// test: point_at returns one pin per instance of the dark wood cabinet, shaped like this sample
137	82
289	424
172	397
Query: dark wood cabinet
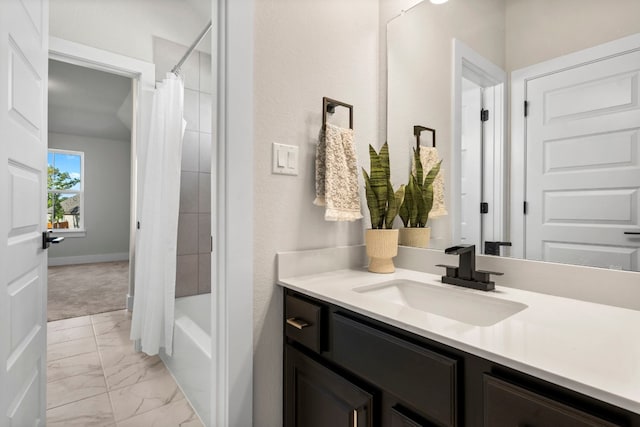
318	397
346	369
508	405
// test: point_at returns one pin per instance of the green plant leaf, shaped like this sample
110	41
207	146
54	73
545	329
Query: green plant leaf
372	202
404	207
419	169
433	173
378	182
384	161
394	204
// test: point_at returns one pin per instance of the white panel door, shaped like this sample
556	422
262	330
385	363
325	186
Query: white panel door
23	174
471	164
583	170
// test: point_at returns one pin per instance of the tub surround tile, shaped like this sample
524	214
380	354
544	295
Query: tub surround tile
69	334
206	81
72	366
204	273
143	397
74	322
189	192
205	152
204	198
191	109
187	234
175	414
71	348
205	112
191	151
204	233
91	412
187	276
72	389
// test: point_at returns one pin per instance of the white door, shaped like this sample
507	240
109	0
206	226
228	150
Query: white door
471	164
583	168
23	173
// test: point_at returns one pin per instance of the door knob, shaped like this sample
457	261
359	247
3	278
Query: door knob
47	240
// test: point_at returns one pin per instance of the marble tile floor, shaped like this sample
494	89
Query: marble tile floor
94	378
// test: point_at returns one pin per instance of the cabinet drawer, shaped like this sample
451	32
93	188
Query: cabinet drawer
421	378
507	405
302	322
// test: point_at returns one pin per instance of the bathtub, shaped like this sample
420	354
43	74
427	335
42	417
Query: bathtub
190	363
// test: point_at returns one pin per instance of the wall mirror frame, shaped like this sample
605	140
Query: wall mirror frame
564	182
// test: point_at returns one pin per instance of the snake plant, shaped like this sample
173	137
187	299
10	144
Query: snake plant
418	199
382	201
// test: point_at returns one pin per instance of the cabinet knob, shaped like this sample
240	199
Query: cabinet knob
297	323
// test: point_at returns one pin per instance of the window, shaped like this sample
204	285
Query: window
65	185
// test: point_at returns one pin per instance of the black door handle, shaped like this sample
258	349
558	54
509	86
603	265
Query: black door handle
632	232
47	240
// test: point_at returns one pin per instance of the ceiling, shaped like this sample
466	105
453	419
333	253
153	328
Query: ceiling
88	102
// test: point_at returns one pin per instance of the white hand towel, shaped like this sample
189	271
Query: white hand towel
429	157
337	175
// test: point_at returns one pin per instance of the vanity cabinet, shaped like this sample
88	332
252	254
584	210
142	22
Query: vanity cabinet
351	370
318	397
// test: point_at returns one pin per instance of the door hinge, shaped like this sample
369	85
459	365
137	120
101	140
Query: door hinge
525	208
484	115
526	108
484	208
211	243
138	225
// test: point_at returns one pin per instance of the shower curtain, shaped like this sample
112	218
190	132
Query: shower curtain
156	240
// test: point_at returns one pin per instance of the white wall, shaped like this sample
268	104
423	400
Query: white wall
304	50
106	191
125	27
538	30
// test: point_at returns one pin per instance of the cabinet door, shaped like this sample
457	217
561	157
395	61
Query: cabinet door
507	405
315	396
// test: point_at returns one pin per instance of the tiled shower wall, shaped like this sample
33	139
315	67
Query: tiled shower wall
193	275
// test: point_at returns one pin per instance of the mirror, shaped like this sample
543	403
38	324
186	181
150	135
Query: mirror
572	163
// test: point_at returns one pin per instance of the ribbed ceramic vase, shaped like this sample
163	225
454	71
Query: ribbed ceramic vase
416	237
382	246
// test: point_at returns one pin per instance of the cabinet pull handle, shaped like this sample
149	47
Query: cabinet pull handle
297	323
355	418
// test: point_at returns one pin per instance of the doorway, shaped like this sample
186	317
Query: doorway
479	153
89	185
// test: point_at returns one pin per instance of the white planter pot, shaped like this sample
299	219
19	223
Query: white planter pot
382	246
415	237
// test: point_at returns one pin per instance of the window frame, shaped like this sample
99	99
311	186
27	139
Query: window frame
81	230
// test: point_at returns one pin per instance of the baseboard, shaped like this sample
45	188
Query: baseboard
88	259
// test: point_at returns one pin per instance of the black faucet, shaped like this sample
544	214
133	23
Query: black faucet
466	274
493	248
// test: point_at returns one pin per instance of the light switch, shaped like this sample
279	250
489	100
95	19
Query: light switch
285	159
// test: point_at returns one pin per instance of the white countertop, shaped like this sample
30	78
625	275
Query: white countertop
591	348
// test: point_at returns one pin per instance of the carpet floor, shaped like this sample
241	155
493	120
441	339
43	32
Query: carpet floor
80	290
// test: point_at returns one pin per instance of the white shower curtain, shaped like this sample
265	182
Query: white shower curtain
156	240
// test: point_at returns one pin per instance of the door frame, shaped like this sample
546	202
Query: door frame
469	64
143	76
519	80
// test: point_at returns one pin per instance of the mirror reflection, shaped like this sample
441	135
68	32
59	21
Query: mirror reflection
561	184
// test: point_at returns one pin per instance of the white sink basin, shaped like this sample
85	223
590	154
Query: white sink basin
457	304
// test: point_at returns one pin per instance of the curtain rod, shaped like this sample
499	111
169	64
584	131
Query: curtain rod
176	69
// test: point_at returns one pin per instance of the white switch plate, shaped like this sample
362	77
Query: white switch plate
285	159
